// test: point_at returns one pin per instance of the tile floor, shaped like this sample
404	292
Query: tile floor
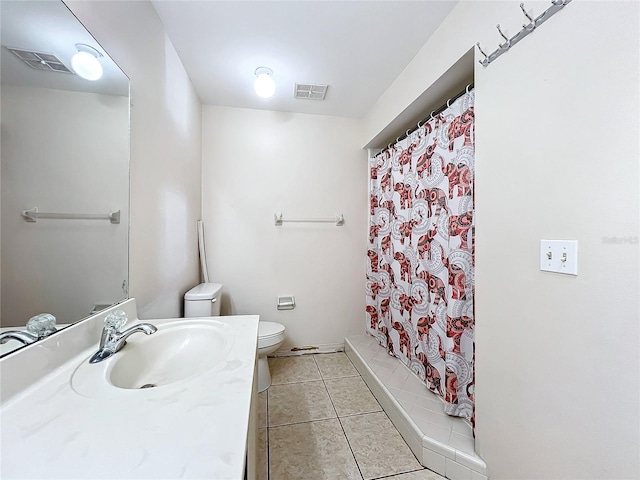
319	420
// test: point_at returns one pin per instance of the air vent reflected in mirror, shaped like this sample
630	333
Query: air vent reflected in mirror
40	61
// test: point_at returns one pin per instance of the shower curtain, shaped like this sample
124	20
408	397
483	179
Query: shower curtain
420	283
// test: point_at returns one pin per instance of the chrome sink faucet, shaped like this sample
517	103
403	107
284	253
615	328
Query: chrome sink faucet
23	337
112	339
38	327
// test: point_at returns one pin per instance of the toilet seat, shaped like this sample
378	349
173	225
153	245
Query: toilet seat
269	333
269	329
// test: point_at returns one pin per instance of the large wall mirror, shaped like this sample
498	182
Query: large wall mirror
64	150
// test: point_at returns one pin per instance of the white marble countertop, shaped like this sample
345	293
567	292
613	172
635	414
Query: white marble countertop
195	429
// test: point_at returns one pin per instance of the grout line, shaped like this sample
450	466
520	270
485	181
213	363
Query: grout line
360	413
343	376
268	443
306	421
403	473
342	427
353	454
296	382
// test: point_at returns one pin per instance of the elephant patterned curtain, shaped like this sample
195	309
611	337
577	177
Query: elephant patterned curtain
420	284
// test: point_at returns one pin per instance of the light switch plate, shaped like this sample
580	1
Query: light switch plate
559	256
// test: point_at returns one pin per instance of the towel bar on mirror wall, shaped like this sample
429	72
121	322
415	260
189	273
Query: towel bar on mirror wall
338	220
33	215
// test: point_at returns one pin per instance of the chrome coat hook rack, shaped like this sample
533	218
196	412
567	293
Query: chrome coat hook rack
556	6
338	220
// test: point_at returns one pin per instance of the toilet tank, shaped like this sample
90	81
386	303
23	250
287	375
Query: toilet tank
203	300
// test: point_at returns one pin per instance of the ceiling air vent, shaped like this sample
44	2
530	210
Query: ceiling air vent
40	61
310	92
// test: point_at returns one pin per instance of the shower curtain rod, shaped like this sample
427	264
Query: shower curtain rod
438	111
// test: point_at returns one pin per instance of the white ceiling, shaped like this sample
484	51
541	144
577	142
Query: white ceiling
357	47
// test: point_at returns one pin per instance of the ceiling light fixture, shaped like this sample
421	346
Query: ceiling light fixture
264	84
85	63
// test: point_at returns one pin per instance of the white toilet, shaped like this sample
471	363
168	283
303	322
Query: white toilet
270	337
204	301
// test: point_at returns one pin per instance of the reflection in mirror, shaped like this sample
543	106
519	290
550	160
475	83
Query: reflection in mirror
65	149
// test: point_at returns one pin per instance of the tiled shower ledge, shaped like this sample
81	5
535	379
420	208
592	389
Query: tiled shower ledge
441	442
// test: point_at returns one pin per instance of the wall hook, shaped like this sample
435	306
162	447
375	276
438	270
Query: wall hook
482	62
525	12
507	43
532	23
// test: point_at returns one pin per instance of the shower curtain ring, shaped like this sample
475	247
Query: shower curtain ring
467	89
431	117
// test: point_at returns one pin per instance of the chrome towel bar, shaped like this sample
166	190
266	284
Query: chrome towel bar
33	215
338	220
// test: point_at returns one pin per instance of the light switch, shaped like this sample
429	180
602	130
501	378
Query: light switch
559	256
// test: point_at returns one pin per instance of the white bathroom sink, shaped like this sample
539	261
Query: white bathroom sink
178	351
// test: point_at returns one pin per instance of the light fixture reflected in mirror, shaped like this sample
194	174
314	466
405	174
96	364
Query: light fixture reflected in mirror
85	63
264	84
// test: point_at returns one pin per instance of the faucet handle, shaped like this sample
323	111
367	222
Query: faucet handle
42	325
116	319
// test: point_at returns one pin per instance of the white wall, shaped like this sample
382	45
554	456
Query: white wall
561	352
165	152
256	163
63	152
557	127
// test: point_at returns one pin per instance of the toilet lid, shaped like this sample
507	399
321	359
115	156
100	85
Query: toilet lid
204	291
269	329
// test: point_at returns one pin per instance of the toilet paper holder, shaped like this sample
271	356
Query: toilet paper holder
286	302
